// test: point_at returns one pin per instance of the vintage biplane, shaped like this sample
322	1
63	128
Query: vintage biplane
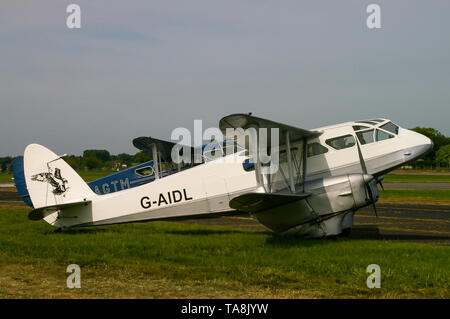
323	177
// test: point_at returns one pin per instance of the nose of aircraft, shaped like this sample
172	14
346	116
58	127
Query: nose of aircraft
419	145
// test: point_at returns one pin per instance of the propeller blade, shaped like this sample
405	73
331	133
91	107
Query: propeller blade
361	158
372	200
381	184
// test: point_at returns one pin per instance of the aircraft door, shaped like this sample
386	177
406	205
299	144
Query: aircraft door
216	193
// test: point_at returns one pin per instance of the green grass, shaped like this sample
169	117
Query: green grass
394	178
90	176
416	194
162	259
6	178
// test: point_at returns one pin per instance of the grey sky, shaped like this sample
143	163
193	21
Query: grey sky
146	67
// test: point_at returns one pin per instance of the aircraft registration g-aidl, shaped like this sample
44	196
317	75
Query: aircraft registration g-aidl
324	176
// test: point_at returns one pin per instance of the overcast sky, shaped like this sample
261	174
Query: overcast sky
143	68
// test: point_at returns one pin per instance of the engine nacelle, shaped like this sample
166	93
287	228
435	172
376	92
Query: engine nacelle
341	193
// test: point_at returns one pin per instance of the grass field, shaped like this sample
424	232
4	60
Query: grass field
93	175
6	177
165	260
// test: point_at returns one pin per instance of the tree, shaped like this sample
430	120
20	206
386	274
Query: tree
92	162
5	162
74	161
141	157
102	155
443	156
126	158
438	140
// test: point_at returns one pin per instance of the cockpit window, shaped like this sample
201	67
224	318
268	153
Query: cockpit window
316	149
390	127
382	135
359	127
144	171
365	137
341	142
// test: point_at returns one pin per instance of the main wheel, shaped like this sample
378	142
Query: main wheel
346	232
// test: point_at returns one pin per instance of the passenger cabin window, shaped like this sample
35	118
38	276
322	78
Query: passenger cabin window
341	142
390	127
283	154
316	149
144	171
365	137
248	165
382	135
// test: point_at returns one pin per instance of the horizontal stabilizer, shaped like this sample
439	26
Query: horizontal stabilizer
42	212
255	202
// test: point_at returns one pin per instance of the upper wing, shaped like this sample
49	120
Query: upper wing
246	120
145	144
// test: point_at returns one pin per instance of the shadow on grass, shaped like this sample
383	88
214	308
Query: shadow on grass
292	240
77	231
203	232
372	232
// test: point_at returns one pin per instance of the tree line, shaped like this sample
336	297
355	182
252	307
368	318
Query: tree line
439	156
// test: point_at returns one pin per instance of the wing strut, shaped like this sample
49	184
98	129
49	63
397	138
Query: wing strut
291	169
155	161
305	149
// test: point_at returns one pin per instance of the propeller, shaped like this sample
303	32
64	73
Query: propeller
364	170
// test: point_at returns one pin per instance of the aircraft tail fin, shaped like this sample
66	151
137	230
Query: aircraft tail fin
50	180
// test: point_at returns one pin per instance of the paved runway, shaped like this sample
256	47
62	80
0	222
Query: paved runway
419	223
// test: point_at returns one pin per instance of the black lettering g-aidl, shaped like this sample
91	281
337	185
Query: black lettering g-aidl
185	196
146	204
177	196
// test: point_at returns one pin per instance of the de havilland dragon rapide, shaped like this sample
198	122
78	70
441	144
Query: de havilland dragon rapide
323	177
